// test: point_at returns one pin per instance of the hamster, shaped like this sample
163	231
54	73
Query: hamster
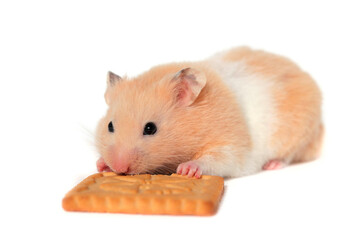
236	113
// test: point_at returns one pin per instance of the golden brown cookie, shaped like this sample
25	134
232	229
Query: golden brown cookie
146	194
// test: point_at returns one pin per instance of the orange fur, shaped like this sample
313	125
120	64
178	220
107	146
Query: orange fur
215	123
298	103
185	133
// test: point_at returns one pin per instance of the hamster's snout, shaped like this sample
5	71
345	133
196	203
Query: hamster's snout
121	160
121	166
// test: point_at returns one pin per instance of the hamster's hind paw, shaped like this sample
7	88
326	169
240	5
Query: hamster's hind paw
273	165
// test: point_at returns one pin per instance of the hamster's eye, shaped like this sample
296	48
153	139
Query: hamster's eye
111	127
149	129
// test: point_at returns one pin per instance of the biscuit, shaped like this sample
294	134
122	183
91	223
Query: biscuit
146	194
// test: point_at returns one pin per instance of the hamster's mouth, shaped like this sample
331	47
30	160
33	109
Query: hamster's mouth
158	171
123	174
166	169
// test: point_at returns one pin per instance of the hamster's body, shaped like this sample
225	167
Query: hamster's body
231	115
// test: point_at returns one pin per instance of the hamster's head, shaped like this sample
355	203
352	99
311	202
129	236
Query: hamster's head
144	128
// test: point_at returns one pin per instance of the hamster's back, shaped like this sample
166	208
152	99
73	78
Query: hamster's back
281	104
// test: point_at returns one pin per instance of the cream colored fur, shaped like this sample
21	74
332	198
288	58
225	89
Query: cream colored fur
253	107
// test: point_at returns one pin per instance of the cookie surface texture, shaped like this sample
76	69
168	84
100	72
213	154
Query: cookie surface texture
146	194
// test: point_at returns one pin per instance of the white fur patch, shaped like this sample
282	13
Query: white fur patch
253	93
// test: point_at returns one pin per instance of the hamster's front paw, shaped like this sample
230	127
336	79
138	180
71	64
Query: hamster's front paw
101	166
190	168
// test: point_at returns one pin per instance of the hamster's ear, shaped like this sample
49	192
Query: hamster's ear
112	80
189	83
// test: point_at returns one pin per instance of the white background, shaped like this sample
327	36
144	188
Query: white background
53	62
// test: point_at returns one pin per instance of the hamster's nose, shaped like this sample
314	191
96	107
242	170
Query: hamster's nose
121	166
121	161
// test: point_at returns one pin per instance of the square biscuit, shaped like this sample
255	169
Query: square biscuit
146	194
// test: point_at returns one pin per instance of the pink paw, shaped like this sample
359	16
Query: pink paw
101	166
273	165
191	169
